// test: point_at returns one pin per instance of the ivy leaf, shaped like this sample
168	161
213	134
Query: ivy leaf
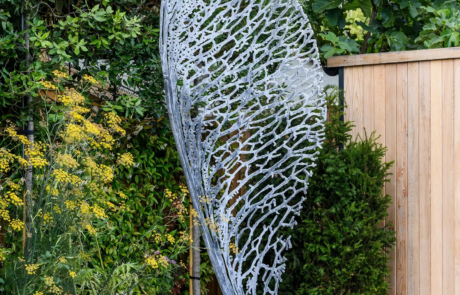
332	16
322	5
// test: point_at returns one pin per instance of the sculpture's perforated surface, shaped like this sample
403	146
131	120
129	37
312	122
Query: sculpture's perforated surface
242	86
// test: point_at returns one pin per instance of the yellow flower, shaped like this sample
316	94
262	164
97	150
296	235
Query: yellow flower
79	109
62	176
122	195
47	218
72	274
157	237
62	260
14	135
60	74
36	155
77	98
169	195
57	209
6	159
205	200
111	206
99	212
162	261
13	199
170	239
5	214
17	224
91	229
66	160
32	268
126	160
49	281
212	225
113	121
234	248
74	133
70	204
22	162
89	79
184	189
48	85
38	293
150	261
85	208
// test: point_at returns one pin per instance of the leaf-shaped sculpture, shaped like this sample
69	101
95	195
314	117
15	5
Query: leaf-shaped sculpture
242	82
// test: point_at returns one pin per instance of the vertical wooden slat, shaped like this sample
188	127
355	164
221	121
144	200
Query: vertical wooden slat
424	124
358	107
413	283
436	177
401	178
379	109
390	138
448	232
348	90
379	102
457	172
368	99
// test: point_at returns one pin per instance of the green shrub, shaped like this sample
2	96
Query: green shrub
344	249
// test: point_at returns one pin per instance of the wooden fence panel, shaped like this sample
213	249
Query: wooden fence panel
415	106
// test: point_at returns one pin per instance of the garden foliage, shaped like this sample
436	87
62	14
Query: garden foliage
340	245
381	26
116	42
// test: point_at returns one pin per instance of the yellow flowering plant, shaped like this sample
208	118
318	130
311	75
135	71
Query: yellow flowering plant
56	233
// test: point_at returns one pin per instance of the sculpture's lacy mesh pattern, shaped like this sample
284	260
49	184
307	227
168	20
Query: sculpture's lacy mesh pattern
242	85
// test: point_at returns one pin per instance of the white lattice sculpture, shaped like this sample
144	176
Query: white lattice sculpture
242	82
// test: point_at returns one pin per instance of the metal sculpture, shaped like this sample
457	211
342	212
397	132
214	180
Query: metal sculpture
242	82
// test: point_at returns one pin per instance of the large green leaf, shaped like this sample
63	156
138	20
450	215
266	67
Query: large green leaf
366	7
332	16
352	5
387	18
322	5
412	5
370	28
397	41
452	38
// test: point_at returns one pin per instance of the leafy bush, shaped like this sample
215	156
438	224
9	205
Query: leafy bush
393	25
64	222
344	247
117	42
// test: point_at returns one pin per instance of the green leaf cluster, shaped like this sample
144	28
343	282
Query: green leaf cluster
382	26
340	245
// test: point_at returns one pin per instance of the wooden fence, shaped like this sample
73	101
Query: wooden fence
412	99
